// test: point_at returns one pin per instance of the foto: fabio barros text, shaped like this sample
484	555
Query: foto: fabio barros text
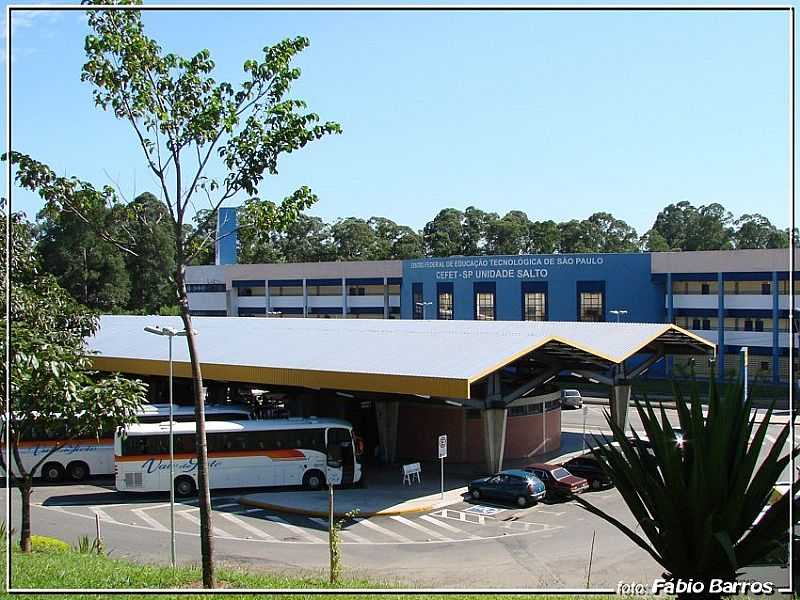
690	586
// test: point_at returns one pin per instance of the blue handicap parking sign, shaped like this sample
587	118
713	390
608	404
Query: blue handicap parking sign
484	510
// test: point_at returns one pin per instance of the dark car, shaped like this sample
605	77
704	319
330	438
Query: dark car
512	485
588	467
559	482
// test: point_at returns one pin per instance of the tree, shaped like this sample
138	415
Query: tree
88	267
653	241
203	227
407	244
576	236
756	231
354	239
696	493
510	234
543	237
52	386
152	260
308	239
180	114
685	227
612	234
443	235
395	241
475	231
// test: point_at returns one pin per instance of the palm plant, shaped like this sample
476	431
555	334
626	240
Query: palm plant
696	493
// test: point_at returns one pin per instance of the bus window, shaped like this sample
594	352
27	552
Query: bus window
185	444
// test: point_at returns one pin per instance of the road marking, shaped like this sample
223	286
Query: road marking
187	514
447	526
377	528
247	527
104	516
228	505
418	527
299	531
345	533
458	515
139	512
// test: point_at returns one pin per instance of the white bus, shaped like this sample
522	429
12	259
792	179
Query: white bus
309	452
80	458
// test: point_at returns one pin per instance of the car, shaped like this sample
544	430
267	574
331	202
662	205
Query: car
558	482
571	399
512	485
588	467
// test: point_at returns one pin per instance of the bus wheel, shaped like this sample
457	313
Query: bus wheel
313	480
184	486
78	471
52	472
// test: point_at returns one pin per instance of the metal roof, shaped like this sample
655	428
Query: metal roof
436	358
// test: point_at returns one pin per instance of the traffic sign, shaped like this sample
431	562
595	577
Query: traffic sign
443	446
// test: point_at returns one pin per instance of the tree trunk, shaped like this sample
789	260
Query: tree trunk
25	489
206	540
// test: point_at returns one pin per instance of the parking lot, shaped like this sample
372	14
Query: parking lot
465	544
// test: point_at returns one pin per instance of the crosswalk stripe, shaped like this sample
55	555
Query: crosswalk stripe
346	534
419	527
396	536
104	516
447	526
187	514
299	531
148	519
247	527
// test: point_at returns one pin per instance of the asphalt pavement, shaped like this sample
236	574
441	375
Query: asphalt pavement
453	544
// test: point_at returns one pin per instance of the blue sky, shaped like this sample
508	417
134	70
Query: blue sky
559	114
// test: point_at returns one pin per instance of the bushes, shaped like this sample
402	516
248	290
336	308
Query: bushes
42	543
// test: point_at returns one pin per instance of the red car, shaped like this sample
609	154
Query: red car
559	482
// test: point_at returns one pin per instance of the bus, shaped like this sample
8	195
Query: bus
311	452
79	459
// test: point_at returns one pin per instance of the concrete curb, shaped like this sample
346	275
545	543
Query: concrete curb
386	512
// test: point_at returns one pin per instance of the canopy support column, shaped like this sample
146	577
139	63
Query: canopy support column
387	413
494	437
620	398
495	418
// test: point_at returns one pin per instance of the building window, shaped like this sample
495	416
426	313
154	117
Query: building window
324	290
591	306
766	289
764	365
759	325
535	306
748	324
251	291
285	290
695	323
416	301
704	289
484	305
445	308
706	324
205	287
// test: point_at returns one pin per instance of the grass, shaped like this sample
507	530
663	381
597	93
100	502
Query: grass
75	570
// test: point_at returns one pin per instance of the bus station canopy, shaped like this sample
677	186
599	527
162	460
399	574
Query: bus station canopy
432	358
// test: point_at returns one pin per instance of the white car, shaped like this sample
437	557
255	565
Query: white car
571	399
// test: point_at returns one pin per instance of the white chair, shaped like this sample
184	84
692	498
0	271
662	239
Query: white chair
409	471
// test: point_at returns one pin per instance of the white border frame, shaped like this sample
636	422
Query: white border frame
397	7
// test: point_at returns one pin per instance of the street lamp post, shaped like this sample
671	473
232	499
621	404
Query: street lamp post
170	333
423	305
618	312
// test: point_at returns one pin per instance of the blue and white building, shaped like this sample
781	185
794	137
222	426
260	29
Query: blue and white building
734	299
